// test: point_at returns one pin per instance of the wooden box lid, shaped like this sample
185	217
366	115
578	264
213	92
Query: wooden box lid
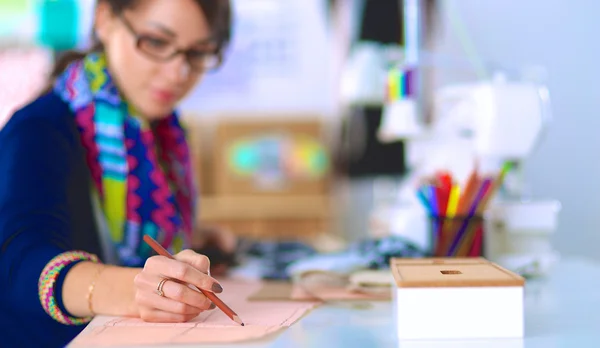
451	272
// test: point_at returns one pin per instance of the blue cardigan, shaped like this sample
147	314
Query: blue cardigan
45	209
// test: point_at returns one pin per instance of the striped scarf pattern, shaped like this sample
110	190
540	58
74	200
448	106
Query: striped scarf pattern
142	173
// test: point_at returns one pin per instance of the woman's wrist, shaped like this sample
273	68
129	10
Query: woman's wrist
90	294
113	290
76	288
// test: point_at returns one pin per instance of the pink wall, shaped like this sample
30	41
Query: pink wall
23	72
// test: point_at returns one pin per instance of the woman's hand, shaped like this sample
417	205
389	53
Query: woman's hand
179	302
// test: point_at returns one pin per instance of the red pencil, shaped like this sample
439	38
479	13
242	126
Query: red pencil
211	296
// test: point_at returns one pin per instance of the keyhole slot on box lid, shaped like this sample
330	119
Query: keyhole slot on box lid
449	272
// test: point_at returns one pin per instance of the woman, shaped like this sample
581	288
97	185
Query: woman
104	149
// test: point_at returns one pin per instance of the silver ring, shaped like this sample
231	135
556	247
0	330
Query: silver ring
159	288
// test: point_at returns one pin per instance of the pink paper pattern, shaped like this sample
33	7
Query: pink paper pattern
260	318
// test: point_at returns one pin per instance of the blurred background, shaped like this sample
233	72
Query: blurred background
328	115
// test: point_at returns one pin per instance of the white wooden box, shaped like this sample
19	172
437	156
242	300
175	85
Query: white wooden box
455	298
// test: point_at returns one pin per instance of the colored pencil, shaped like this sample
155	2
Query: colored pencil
494	187
456	212
209	294
480	194
453	201
423	198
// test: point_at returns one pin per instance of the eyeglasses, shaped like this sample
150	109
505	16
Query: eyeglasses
163	50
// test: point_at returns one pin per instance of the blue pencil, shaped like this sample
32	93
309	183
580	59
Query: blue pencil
433	200
424	201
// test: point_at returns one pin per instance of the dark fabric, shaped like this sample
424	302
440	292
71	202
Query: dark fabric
45	209
276	258
381	22
364	155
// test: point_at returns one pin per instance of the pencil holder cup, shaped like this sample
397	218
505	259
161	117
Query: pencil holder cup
460	236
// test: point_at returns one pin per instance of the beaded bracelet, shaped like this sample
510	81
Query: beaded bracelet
48	280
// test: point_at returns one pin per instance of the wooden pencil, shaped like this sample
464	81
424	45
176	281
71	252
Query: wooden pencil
476	220
493	189
460	234
464	202
209	294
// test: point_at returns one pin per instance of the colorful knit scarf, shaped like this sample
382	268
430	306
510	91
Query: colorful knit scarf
141	173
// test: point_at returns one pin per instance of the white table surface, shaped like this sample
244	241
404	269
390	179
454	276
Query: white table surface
560	311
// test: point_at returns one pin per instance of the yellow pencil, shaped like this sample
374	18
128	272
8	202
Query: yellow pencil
453	201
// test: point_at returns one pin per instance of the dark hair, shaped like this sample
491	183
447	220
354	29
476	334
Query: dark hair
217	13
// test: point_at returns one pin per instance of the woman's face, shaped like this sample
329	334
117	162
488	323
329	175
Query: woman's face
149	81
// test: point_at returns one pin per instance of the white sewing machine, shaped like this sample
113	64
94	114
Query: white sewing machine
494	121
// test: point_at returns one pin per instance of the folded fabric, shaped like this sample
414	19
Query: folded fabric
283	260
